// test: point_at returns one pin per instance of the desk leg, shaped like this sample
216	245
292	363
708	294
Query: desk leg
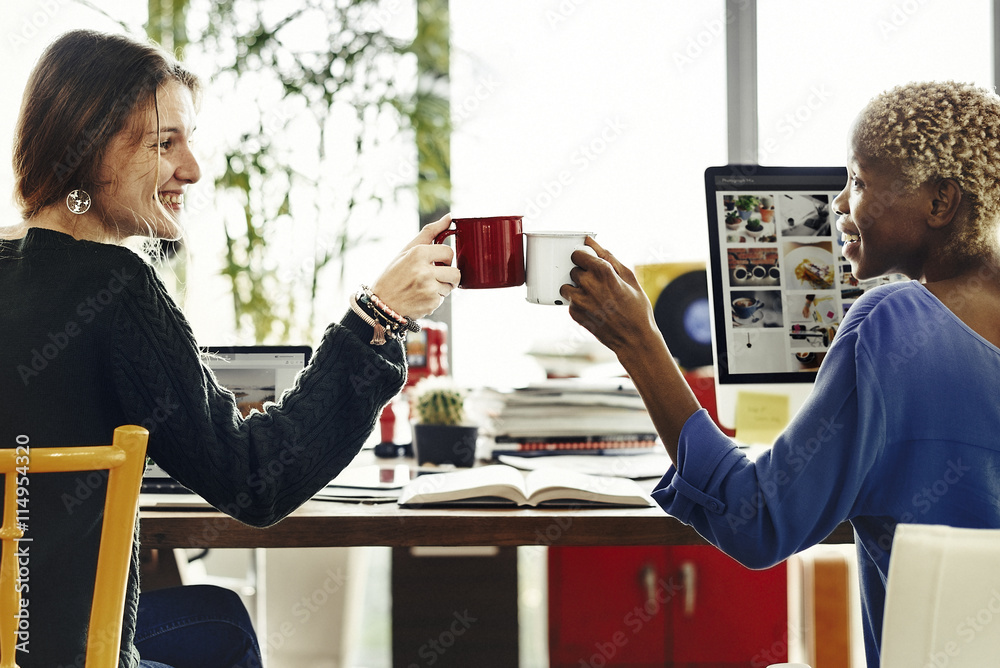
454	607
159	569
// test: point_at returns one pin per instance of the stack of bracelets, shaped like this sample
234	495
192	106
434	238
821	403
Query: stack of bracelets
385	321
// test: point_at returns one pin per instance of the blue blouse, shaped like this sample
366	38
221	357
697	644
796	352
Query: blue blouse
902	426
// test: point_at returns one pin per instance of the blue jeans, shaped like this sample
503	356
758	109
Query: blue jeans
198	626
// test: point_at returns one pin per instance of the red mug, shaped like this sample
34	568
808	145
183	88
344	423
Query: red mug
489	251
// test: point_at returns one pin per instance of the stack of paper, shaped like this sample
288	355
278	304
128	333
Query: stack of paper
571	416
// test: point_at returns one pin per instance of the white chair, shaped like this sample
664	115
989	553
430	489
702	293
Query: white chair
942	603
943	600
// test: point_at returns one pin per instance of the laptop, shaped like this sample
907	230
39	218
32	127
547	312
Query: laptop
257	375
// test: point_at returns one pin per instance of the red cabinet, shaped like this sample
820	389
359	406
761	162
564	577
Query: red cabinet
663	606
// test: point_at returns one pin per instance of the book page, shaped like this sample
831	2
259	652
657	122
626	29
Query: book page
495	480
547	484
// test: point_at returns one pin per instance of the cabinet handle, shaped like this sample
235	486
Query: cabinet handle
689	578
649	582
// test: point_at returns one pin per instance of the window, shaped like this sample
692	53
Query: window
819	64
598	116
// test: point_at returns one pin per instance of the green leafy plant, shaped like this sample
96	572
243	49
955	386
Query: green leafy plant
342	86
754	225
438	402
747	202
335	72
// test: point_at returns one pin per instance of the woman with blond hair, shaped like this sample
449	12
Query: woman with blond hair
901	425
102	153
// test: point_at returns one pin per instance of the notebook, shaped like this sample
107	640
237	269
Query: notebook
257	375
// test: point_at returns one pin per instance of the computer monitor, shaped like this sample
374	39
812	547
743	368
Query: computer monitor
778	282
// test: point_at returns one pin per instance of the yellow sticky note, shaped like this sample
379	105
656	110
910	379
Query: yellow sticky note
760	417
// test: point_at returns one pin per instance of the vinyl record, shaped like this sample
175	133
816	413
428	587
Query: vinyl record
682	315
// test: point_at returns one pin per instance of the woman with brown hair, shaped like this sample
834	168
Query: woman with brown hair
93	341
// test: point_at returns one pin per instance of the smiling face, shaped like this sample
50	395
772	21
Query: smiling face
882	220
146	182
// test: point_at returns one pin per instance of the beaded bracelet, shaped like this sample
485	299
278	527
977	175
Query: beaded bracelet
380	307
378	338
370	314
394	329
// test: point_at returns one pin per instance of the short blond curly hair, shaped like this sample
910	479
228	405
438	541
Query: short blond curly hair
936	130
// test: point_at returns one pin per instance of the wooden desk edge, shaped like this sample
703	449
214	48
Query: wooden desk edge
388	525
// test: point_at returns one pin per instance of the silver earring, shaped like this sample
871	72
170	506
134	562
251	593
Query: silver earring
78	201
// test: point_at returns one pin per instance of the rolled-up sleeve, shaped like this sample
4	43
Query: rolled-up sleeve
795	494
680	492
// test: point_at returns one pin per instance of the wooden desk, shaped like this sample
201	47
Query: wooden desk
422	608
334	524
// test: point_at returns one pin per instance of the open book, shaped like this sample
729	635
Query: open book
499	484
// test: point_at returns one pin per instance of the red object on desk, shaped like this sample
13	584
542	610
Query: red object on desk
426	355
427	352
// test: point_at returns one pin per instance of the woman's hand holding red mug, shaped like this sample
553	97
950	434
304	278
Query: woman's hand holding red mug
421	276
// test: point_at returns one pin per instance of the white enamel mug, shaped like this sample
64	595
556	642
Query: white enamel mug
548	263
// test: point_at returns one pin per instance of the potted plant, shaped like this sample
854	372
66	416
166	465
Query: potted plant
754	227
746	204
440	434
733	219
766	213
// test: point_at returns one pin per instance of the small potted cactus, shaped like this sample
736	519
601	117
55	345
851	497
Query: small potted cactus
440	434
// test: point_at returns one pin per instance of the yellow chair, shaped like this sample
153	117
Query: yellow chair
125	460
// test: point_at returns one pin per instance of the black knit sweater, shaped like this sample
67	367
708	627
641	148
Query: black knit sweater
90	341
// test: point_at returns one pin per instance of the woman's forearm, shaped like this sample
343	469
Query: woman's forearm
667	396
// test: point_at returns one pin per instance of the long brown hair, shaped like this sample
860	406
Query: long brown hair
85	89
